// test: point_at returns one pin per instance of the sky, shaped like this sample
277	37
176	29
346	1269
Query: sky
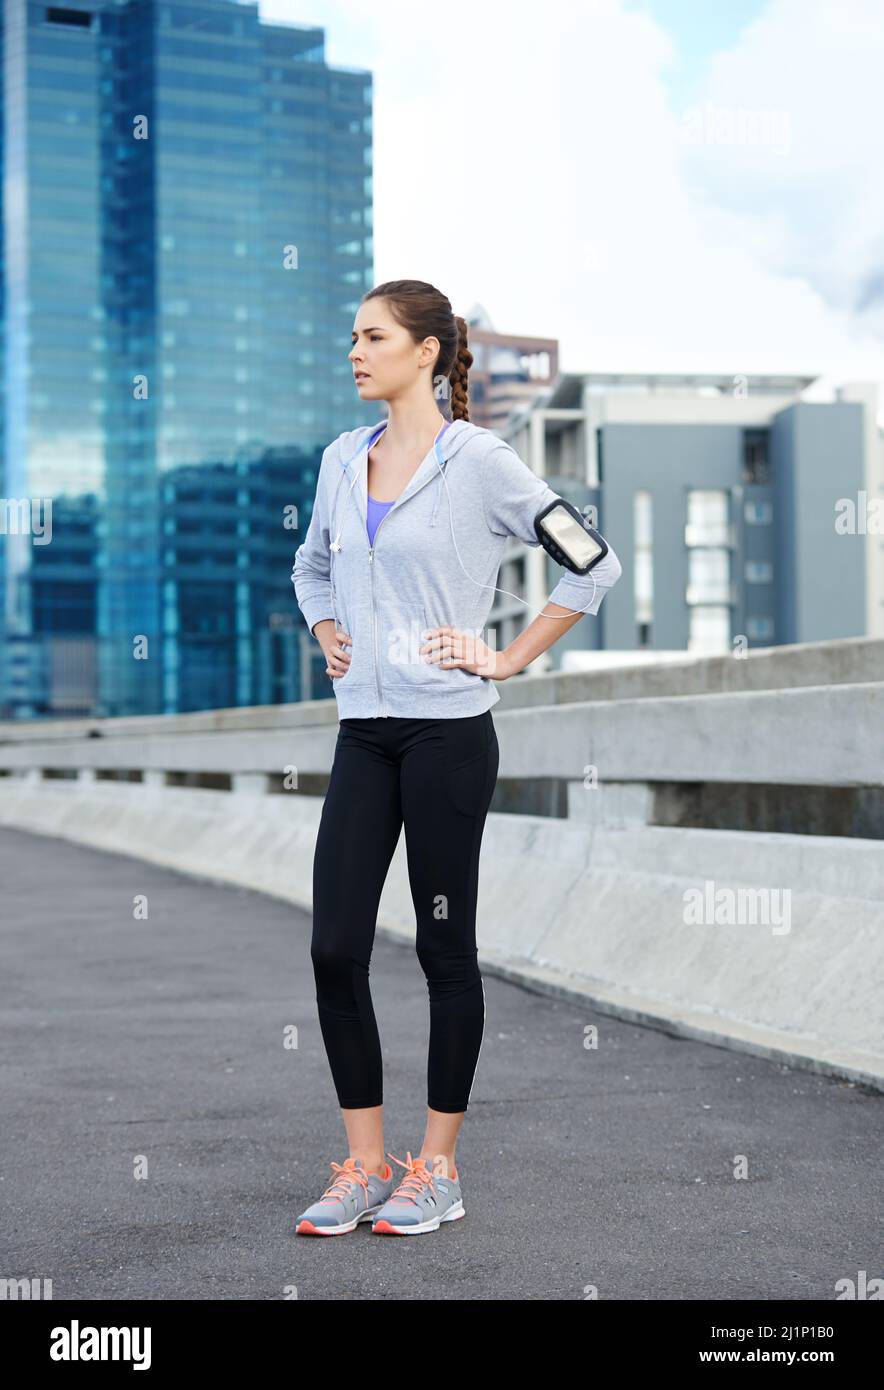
662	185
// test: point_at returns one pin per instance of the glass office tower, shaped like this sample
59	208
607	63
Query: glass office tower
186	236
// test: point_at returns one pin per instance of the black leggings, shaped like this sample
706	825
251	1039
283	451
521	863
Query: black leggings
437	776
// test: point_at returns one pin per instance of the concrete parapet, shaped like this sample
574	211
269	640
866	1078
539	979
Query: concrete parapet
769	943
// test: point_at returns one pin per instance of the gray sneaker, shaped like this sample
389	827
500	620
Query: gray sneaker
421	1202
353	1196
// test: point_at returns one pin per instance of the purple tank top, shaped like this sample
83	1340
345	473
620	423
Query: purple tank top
376	510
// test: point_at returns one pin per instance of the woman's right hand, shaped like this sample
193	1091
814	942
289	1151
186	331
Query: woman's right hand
332	639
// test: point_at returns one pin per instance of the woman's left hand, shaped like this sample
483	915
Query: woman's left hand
450	648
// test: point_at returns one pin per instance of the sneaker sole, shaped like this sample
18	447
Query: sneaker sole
307	1228
388	1228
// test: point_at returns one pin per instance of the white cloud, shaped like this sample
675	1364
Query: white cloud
819	211
531	159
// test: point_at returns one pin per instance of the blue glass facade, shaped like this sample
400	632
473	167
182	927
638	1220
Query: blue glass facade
186	237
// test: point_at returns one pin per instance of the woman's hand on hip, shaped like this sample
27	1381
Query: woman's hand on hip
451	648
336	655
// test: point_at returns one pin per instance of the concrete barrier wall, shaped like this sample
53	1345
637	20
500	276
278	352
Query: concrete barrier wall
589	912
824	735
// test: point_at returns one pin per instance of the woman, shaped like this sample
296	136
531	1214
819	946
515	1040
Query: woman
400	558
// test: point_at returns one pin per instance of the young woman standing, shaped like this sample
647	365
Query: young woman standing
395	579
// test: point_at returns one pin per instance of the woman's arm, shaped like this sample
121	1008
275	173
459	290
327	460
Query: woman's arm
310	572
536	638
512	496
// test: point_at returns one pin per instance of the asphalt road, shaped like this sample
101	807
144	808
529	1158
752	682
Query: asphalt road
127	1039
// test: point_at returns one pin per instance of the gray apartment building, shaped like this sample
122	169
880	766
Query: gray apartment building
726	501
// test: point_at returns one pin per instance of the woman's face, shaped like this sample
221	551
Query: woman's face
386	353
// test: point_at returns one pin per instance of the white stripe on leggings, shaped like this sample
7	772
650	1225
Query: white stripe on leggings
481	1040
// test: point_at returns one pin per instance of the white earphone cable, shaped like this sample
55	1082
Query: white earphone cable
494	586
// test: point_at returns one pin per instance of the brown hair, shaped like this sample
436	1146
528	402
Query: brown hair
426	313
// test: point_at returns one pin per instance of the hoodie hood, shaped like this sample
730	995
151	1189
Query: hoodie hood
350	451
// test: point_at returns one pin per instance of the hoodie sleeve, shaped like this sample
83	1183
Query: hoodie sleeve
512	495
311	570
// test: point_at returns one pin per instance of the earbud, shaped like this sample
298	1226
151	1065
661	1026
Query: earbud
336	543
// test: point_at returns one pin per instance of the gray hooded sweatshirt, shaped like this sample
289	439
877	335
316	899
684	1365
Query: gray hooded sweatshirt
434	561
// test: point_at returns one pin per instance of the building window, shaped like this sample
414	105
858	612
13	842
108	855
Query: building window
756	465
709	538
707	522
760	629
758	513
708	576
710	630
759	572
57	14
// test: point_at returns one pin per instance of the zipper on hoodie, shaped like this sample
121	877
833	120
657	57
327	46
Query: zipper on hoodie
371	549
374	611
374	620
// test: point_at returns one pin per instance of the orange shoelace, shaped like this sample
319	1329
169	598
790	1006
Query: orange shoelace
347	1175
417	1179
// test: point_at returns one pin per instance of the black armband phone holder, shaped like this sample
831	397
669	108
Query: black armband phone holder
567	536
